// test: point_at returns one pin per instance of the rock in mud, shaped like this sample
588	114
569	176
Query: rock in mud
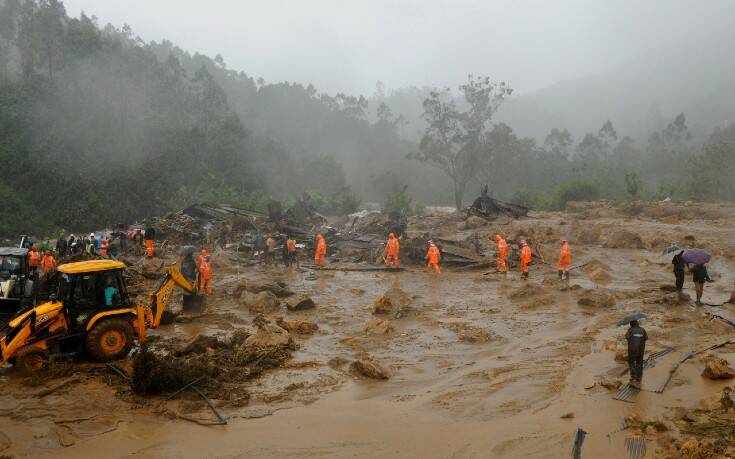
600	275
378	326
470	334
371	368
357	291
610	384
624	239
300	303
268	335
392	299
297	326
596	299
152	268
717	368
526	290
262	303
276	288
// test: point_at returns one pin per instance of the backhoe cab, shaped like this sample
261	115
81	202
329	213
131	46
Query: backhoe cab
92	312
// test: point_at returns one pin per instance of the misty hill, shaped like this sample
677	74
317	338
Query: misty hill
638	97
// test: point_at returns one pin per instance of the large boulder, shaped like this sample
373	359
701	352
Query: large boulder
262	303
596	298
624	239
716	368
394	298
152	267
300	303
371	368
268	335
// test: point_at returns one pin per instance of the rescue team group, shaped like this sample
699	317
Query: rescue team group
433	255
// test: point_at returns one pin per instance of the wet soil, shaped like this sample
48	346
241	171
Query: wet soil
480	365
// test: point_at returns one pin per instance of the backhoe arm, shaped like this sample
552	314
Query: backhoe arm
160	298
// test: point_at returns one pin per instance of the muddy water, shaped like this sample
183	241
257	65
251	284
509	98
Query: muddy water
500	396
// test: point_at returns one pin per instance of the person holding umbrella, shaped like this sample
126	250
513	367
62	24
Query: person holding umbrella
699	258
679	266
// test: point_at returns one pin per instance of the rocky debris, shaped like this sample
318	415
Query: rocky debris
371	368
596	298
297	326
268	335
716	367
470	333
300	303
228	361
395	298
357	291
624	239
378	326
263	303
152	268
569	415
202	344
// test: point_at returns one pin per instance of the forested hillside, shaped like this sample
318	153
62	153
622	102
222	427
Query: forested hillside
98	126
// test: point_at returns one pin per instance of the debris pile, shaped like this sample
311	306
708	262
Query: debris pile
487	207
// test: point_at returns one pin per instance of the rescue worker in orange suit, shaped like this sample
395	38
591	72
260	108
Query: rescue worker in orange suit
105	246
525	258
150	237
48	263
34	259
565	259
433	256
202	257
392	248
502	253
205	276
321	251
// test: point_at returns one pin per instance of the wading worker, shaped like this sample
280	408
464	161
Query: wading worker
636	337
700	276
525	258
502	253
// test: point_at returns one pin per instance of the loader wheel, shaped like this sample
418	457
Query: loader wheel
31	360
110	339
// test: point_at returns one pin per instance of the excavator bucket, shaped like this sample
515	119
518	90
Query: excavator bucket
194	303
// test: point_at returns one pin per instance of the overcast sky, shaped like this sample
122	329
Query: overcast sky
348	45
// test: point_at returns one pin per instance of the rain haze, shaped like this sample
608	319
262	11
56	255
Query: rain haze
342	228
348	46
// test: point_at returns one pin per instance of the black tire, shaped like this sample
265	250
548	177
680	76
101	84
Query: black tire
31	360
110	339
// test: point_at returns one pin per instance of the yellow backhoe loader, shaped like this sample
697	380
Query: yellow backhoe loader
91	312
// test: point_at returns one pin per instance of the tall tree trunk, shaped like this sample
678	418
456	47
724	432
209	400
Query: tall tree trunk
458	193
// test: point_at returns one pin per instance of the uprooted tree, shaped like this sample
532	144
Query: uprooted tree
453	140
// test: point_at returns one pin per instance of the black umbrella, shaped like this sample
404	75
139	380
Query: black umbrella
628	319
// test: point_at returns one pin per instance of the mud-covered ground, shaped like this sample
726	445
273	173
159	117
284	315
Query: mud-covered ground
478	365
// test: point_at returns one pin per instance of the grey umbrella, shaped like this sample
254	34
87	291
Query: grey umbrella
628	319
674	248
